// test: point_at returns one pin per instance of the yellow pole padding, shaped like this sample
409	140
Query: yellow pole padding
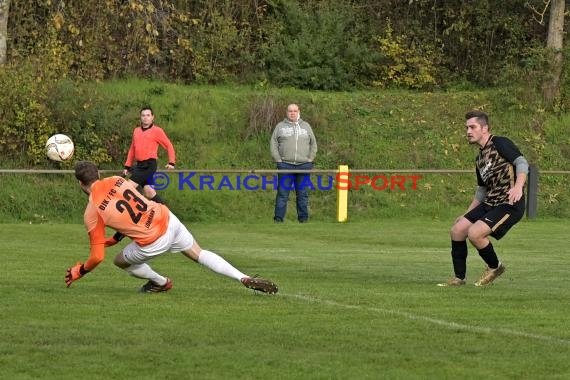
342	195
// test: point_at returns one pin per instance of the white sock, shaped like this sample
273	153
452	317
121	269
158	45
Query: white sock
219	265
144	271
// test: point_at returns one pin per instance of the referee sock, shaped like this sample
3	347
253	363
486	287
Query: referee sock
459	258
217	264
144	271
489	256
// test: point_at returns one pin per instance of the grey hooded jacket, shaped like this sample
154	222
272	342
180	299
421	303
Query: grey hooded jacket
293	142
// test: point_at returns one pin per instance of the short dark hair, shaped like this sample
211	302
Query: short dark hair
481	116
86	172
144	108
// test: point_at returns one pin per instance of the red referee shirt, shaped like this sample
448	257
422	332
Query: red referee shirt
145	145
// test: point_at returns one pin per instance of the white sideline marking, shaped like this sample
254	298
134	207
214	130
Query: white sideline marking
440	322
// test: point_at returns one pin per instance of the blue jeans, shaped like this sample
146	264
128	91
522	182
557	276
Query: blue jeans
288	182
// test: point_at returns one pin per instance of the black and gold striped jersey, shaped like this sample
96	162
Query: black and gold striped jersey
495	169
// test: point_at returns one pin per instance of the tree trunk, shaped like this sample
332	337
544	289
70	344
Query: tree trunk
554	44
4	10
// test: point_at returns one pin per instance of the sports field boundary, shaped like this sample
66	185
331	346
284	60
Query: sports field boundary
434	321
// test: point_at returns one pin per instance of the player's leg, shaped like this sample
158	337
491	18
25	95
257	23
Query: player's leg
284	186
142	175
184	242
212	261
478	234
219	265
459	251
133	259
302	187
148	192
480	231
459	232
479	237
496	222
151	194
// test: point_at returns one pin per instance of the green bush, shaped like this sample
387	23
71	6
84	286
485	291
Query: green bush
219	47
314	46
24	114
322	44
403	66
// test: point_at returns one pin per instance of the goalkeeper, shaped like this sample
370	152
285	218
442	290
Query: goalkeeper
153	228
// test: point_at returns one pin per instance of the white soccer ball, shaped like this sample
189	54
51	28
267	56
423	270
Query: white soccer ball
59	148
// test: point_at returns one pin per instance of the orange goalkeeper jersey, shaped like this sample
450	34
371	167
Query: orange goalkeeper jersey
116	203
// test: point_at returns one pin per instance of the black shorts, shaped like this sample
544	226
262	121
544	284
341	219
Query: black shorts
142	171
499	218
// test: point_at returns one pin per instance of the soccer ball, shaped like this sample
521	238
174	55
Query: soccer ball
59	148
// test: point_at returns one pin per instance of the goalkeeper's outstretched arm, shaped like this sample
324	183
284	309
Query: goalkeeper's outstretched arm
96	255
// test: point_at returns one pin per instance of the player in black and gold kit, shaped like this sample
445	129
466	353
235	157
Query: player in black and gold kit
498	203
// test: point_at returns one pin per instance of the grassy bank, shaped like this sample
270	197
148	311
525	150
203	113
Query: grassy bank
229	128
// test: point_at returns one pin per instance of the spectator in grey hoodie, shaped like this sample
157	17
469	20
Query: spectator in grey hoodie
293	147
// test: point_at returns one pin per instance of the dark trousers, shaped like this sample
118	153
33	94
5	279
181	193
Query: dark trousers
292	181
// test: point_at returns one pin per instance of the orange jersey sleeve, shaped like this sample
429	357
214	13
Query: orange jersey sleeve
96	230
121	207
164	141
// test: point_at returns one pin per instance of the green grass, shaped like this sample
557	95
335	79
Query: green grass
356	301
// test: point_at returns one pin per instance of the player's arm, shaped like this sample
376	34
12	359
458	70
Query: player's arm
97	250
516	192
521	170
480	192
313	145
116	238
511	152
96	231
165	142
478	198
274	145
130	157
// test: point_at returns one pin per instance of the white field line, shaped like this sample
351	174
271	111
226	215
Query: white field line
439	322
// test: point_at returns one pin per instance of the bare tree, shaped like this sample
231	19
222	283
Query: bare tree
4	10
554	44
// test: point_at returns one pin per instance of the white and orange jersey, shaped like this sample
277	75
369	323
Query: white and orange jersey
115	202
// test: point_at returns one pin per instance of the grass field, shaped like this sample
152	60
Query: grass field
356	301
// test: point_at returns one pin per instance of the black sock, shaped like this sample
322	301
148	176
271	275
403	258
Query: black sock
489	256
158	199
459	258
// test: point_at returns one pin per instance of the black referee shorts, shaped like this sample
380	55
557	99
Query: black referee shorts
143	170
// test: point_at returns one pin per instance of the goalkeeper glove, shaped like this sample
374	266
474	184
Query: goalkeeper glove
75	273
